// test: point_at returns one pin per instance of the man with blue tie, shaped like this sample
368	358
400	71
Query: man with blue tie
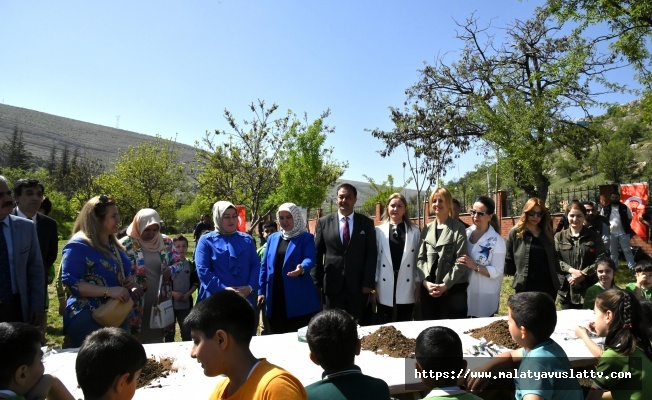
21	267
345	268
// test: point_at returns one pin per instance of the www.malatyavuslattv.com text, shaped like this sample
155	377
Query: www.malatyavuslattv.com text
515	373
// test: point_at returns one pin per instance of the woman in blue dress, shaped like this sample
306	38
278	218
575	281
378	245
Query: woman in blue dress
226	259
94	268
286	288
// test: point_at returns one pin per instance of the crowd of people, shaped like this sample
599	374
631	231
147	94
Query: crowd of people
349	272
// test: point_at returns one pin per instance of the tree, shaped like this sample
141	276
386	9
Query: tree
630	24
243	168
146	176
15	154
306	170
512	96
615	160
381	192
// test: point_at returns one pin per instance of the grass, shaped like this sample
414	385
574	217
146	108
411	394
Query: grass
623	277
54	333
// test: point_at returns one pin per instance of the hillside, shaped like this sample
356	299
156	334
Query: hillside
43	131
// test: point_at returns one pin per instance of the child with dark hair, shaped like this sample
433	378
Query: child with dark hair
620	320
532	319
221	327
333	341
439	351
108	364
21	367
605	270
184	285
642	288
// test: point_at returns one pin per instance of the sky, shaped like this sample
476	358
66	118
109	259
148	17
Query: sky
171	68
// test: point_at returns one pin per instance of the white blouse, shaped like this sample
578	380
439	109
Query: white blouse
483	293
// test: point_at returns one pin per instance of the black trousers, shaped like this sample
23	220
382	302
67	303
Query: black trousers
11	312
450	305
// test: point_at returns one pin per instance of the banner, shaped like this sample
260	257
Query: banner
634	195
242	218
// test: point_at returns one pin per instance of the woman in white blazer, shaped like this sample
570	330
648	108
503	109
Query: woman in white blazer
398	241
485	261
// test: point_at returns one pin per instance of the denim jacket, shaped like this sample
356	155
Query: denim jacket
437	259
517	258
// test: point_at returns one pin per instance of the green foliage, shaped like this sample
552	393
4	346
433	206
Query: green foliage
243	167
629	22
567	166
380	194
513	95
14	154
188	214
615	160
307	171
146	176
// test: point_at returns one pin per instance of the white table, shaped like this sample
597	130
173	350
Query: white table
286	351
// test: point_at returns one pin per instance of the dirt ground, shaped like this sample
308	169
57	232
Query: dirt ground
388	340
155	369
497	332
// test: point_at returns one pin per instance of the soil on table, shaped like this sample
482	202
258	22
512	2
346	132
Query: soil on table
155	369
387	340
497	332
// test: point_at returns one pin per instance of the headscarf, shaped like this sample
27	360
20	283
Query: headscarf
219	208
142	220
299	224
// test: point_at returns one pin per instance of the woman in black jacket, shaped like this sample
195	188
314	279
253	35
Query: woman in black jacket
530	253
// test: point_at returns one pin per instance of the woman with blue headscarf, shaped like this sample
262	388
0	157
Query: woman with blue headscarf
226	259
286	287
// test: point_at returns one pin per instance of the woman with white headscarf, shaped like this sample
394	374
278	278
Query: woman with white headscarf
286	287
152	255
225	258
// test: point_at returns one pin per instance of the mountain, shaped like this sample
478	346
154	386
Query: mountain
43	131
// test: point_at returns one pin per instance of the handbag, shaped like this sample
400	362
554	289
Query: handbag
114	312
162	313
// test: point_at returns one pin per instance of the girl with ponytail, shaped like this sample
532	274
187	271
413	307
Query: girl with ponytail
627	357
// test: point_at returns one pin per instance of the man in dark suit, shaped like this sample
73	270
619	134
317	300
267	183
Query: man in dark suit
29	195
21	268
346	256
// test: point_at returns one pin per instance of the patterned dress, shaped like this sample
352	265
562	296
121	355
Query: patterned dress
169	258
81	262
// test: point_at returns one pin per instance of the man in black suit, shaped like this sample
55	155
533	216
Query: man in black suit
345	268
28	194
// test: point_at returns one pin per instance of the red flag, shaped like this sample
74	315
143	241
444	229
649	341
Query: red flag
242	218
634	195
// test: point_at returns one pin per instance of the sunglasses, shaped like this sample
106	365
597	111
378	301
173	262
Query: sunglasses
478	213
536	214
104	199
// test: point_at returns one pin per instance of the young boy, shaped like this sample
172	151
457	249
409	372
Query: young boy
109	364
532	319
21	368
605	269
183	286
221	327
439	351
333	341
642	289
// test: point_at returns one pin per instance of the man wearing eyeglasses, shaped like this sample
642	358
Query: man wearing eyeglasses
21	266
29	196
620	218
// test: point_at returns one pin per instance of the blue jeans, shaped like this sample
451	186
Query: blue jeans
82	325
625	246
